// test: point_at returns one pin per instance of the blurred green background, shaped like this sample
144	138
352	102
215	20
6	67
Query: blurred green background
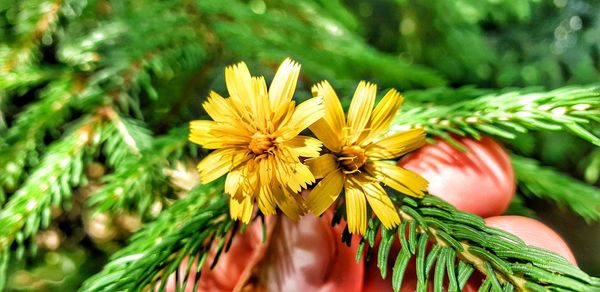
411	45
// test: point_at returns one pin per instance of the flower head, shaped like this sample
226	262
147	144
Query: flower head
356	159
255	132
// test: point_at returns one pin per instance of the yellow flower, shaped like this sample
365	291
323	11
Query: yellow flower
355	159
255	132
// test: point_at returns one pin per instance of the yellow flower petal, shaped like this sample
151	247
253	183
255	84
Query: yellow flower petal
356	209
380	203
241	210
282	87
215	135
200	134
233	181
325	193
219	162
220	109
239	85
305	115
240	123
260	105
329	129
266	201
305	146
335	113
361	108
265	170
251	179
259	85
289	202
396	145
322	165
323	132
382	116
400	179
299	177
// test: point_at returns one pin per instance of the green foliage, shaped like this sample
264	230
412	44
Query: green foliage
4	257
462	243
22	140
312	35
34	23
157	250
51	184
570	109
544	182
491	43
139	179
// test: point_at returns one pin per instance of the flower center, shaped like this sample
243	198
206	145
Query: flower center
260	143
352	158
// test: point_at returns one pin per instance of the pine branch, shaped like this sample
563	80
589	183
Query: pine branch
187	228
24	138
17	83
51	182
544	182
313	36
592	167
23	79
37	20
123	137
118	82
4	258
443	95
455	30
138	180
569	109
462	243
130	47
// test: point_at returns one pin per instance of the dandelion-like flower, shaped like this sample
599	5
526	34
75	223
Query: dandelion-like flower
356	159
256	136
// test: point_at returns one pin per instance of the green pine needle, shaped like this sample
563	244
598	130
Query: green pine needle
544	182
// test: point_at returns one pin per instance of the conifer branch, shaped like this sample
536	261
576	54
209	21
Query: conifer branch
139	180
44	22
123	137
23	139
311	45
59	172
461	240
4	258
569	108
442	95
544	182
186	229
592	169
23	79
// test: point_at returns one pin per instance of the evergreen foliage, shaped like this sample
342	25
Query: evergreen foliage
545	182
115	83
507	114
158	249
461	244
